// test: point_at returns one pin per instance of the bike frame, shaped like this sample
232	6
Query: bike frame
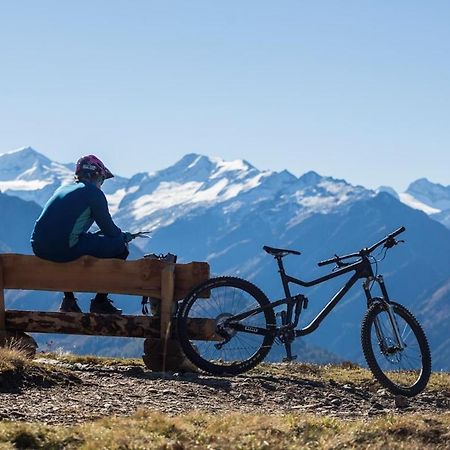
362	269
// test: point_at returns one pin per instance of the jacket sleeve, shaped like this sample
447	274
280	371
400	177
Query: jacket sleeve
101	215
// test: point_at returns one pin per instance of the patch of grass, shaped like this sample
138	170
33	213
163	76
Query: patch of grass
16	366
344	373
234	431
12	360
93	360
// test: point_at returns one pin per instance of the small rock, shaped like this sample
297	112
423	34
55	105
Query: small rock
373	412
312	405
268	386
168	392
376	405
400	401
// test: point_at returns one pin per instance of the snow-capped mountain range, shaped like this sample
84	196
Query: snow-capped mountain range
195	181
151	200
204	208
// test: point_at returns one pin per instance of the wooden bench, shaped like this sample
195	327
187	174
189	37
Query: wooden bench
144	277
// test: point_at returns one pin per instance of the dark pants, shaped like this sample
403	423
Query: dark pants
89	244
100	246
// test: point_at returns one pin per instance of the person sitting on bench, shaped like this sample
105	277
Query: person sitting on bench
61	232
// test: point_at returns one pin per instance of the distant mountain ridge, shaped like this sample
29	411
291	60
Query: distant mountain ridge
204	208
431	198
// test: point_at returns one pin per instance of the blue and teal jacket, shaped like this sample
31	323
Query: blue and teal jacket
68	214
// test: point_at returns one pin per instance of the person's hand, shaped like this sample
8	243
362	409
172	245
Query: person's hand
128	236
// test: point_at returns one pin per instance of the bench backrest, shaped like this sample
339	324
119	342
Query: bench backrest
88	274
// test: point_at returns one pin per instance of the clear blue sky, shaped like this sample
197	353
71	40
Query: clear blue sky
354	89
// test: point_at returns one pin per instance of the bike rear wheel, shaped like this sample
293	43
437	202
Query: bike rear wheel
226	351
403	371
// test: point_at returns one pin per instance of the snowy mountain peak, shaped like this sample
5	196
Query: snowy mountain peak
389	190
425	186
310	178
31	175
16	163
200	168
423	195
25	152
191	166
434	195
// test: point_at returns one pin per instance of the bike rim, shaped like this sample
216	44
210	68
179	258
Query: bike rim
401	366
222	303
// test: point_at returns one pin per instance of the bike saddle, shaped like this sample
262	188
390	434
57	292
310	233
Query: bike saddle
279	252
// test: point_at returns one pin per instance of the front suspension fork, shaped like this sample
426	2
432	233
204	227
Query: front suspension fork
389	309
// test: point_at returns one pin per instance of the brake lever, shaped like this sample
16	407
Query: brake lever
392	242
141	234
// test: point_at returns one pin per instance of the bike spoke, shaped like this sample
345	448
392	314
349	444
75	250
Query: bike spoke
223	302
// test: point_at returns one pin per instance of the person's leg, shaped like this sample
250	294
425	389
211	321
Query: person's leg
123	255
103	247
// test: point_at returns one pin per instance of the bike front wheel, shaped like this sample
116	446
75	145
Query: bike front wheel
403	369
223	350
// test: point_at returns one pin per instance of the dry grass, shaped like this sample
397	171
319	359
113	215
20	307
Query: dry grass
233	431
200	430
12	360
344	373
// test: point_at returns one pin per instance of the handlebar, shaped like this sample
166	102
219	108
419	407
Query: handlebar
337	258
389	241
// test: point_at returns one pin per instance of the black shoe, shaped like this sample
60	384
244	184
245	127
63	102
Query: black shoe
105	306
169	257
69	305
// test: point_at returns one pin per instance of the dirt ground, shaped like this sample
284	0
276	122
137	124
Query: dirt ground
84	392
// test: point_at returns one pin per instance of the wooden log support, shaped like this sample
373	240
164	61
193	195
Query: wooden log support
163	356
102	325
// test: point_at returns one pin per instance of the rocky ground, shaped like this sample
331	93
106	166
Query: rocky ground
79	392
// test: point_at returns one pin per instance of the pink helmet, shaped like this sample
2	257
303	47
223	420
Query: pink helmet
90	165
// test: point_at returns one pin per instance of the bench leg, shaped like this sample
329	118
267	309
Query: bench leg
165	354
16	340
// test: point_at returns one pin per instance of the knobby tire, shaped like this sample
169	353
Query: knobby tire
214	364
369	351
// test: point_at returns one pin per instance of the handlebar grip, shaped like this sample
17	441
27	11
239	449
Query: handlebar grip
397	232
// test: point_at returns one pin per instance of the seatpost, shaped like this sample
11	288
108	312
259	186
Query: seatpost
282	273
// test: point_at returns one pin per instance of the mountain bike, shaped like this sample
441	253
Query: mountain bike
242	322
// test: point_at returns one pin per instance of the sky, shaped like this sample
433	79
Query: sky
358	90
